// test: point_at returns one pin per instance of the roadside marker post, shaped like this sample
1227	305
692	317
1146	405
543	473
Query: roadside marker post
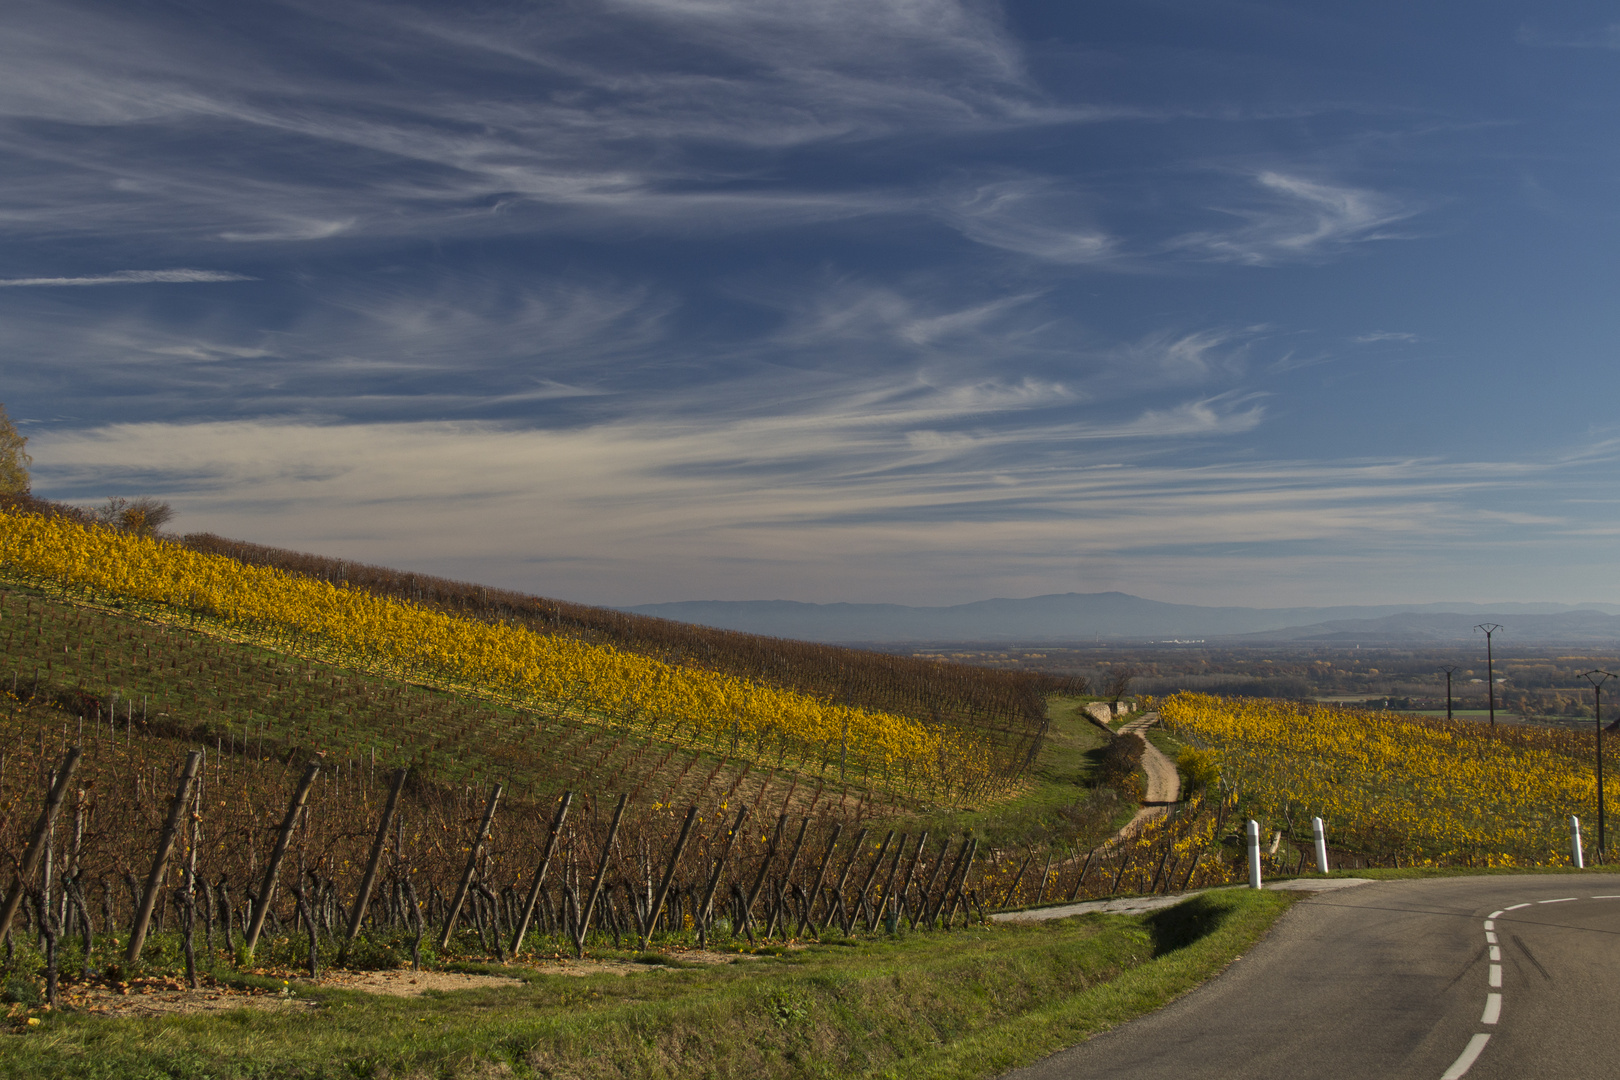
1320	833
1575	842
1254	854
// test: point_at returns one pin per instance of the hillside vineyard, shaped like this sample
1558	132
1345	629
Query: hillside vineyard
557	676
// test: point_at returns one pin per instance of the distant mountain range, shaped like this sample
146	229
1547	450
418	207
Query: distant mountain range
1119	618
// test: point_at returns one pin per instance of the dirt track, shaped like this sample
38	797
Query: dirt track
1164	783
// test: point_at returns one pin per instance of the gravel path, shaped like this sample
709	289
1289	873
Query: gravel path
1164	783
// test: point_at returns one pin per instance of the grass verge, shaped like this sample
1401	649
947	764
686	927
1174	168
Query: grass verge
1059	800
967	1004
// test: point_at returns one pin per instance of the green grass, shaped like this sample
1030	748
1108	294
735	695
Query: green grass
1058	802
968	1004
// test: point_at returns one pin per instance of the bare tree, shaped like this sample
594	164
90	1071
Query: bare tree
1118	682
144	515
14	460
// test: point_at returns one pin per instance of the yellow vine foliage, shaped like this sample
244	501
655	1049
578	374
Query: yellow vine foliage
590	682
1431	791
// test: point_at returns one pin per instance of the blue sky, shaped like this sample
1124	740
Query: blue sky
870	300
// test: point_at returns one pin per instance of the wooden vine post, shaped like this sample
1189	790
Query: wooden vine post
933	876
581	927
540	871
787	875
764	868
871	876
361	901
472	866
1081	880
821	874
945	889
669	875
160	860
887	897
267	888
714	879
849	863
36	842
911	871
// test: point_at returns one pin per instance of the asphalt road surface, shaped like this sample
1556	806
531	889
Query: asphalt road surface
1492	978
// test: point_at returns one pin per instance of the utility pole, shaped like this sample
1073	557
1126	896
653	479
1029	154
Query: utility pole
1490	670
1448	672
1597	678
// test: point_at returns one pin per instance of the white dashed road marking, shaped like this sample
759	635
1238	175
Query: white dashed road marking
1493	1000
1466	1060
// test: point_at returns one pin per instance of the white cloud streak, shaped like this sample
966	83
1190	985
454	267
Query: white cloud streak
825	504
128	277
613	118
1291	218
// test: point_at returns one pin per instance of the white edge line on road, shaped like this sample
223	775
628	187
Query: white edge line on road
1490	924
1496	953
1490	938
1493	1009
1494	914
1615	897
1496	976
1560	900
1515	907
1466	1059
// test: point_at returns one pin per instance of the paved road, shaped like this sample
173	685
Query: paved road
1395	980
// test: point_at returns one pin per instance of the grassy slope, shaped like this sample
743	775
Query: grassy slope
967	1004
1057	800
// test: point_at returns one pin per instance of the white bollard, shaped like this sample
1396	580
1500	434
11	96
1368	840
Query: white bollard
1575	842
1318	831
1254	854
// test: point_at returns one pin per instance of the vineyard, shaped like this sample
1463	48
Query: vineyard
1012	703
235	698
211	758
1412	791
164	857
561	678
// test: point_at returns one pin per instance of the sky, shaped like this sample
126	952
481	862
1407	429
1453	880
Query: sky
913	301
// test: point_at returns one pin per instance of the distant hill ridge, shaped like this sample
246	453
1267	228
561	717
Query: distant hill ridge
1121	617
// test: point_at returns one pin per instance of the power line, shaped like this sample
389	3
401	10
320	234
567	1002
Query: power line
1490	669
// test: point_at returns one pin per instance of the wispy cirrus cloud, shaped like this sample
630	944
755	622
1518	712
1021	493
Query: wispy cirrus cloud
1290	218
1031	216
128	277
1602	36
837	505
674	117
906	273
579	96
